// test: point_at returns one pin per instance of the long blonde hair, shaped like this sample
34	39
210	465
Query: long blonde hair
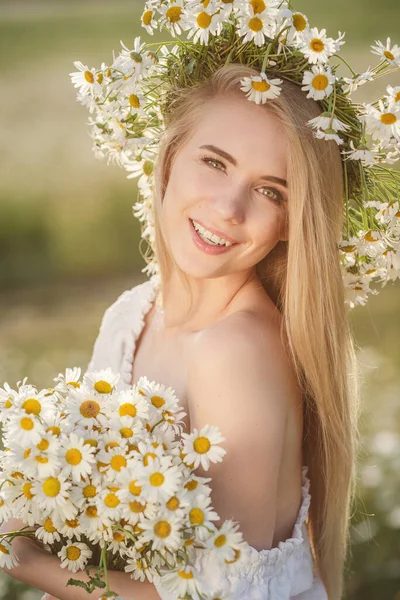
303	278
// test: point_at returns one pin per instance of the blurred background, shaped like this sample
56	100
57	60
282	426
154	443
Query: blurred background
69	242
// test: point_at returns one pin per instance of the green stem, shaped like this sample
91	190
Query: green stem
103	561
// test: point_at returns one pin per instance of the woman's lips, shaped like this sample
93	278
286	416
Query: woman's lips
207	248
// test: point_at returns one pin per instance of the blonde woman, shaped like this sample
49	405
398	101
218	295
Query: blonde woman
249	326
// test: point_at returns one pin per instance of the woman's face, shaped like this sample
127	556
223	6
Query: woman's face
230	177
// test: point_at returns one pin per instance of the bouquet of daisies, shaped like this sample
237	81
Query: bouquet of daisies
105	479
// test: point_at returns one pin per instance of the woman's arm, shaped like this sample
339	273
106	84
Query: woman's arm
42	570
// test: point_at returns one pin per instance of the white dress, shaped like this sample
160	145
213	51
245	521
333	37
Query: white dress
281	573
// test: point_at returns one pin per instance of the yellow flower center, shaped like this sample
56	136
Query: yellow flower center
299	22
43	460
103	387
89	491
134	101
320	82
173	503
126	432
49	526
317	45
191	485
27	491
388	118
147	456
73	456
89	76
260	86
201	445
73	553
173	14
118	536
148	168
75	384
8	403
258	6
27	452
91	512
220	541
136	507
92	443
111	445
147	16
3	549
255	24
89	409
32	406
397	97
203	20
51	487
111	500
157	401
185	575
388	55
26	423
235	558
42	445
73	523
156	479
127	409
117	462
54	430
1	501
162	529
135	489
196	516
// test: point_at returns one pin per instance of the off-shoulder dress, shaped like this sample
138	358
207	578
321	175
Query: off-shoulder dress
281	573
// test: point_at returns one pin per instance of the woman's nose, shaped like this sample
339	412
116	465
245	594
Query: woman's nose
230	206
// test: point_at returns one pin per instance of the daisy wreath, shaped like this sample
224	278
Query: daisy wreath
128	101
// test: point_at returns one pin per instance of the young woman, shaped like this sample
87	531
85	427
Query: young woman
249	326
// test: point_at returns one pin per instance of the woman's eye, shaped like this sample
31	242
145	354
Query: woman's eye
213	161
273	193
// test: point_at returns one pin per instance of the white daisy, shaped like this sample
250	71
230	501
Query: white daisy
38	463
8	558
197	485
7	401
137	510
86	409
393	93
24	429
48	533
353	83
159	480
383	123
147	19
74	556
203	22
53	494
76	457
132	404
317	47
163	531
70	528
181	582
200	446
260	89
118	543
318	82
201	515
173	17
5	508
362	153
87	80
108	503
255	26
103	381
114	461
93	520
224	541
84	492
329	135
39	404
327	121
391	54
70	378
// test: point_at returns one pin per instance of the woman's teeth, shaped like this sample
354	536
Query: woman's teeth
209	237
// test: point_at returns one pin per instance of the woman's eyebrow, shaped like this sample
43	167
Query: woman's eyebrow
233	161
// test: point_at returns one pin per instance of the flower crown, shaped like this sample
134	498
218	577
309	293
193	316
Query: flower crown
128	101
